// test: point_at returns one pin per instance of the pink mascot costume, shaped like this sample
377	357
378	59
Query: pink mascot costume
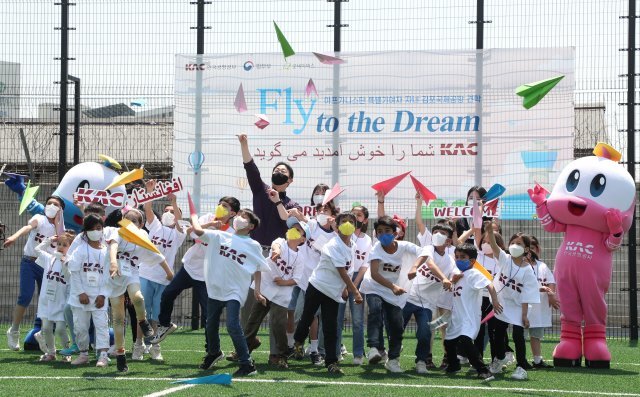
592	203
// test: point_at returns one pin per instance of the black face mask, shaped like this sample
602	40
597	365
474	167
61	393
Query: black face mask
359	224
279	179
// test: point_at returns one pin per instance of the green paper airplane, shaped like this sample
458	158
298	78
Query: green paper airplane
27	196
534	92
286	47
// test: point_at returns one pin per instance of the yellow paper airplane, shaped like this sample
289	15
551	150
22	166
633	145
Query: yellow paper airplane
482	270
132	234
126	177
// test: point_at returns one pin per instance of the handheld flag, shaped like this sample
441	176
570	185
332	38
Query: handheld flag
287	51
240	103
335	191
427	195
311	88
132	234
534	92
388	184
27	196
329	60
494	191
126	177
217	379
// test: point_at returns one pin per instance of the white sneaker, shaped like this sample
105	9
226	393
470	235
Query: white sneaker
421	367
147	348
307	351
13	340
440	321
393	366
155	353
343	350
340	358
112	351
374	356
103	361
359	360
138	352
510	358
497	365
519	374
41	342
82	359
463	360
384	356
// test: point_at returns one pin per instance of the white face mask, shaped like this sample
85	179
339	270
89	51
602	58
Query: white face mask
322	219
318	198
240	223
168	219
516	250
438	239
51	210
486	249
94	235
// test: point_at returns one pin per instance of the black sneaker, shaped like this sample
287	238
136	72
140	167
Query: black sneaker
233	357
316	359
525	366
298	351
121	363
486	376
210	360
291	351
162	332
246	370
541	365
430	364
334	369
147	331
453	370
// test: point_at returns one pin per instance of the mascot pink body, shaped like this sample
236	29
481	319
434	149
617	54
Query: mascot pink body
592	203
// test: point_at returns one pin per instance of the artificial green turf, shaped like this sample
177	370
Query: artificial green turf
184	350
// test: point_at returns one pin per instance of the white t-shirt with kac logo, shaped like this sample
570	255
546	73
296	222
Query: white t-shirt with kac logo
168	241
285	267
490	265
55	285
467	303
514	285
193	259
427	290
363	248
37	235
540	313
89	269
325	277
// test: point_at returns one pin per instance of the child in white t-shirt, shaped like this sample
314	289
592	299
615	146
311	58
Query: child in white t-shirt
53	294
89	289
230	262
327	289
540	313
465	314
39	227
517	287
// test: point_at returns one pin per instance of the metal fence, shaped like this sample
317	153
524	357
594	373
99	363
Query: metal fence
121	51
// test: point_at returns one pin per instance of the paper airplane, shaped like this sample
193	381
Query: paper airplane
311	88
109	162
329	60
427	195
134	235
388	184
534	92
217	379
335	191
482	270
476	214
491	205
488	317
139	102
287	51
240	103
494	192
27	196
262	122
126	177
192	206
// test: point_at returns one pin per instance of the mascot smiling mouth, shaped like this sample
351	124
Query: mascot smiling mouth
576	209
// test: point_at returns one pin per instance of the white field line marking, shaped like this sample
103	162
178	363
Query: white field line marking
169	391
339	383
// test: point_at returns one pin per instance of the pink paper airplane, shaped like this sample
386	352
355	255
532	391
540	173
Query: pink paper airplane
388	184
476	213
262	122
240	103
192	206
335	191
311	88
427	195
329	60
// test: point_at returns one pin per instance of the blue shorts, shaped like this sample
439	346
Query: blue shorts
30	275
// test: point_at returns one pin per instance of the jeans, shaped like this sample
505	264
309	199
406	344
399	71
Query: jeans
30	275
214	311
379	308
315	299
152	293
423	333
357	324
181	281
467	348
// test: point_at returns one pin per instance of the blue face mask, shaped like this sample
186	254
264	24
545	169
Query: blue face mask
386	239
463	264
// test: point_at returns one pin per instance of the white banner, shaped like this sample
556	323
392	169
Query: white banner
446	116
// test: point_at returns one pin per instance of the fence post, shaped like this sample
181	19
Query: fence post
479	86
76	119
631	167
64	72
337	47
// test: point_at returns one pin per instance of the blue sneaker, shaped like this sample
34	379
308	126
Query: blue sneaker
70	351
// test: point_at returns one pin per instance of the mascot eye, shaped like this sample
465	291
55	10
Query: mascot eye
572	181
598	183
84	184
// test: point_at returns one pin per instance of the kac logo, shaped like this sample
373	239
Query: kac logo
248	66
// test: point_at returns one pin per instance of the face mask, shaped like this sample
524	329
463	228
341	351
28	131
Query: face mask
94	235
463	264
318	198
58	255
516	250
240	223
279	179
221	212
359	224
168	219
486	249
386	239
293	234
51	210
438	239
322	219
347	229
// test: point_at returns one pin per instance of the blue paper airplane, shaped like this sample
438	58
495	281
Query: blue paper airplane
217	379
